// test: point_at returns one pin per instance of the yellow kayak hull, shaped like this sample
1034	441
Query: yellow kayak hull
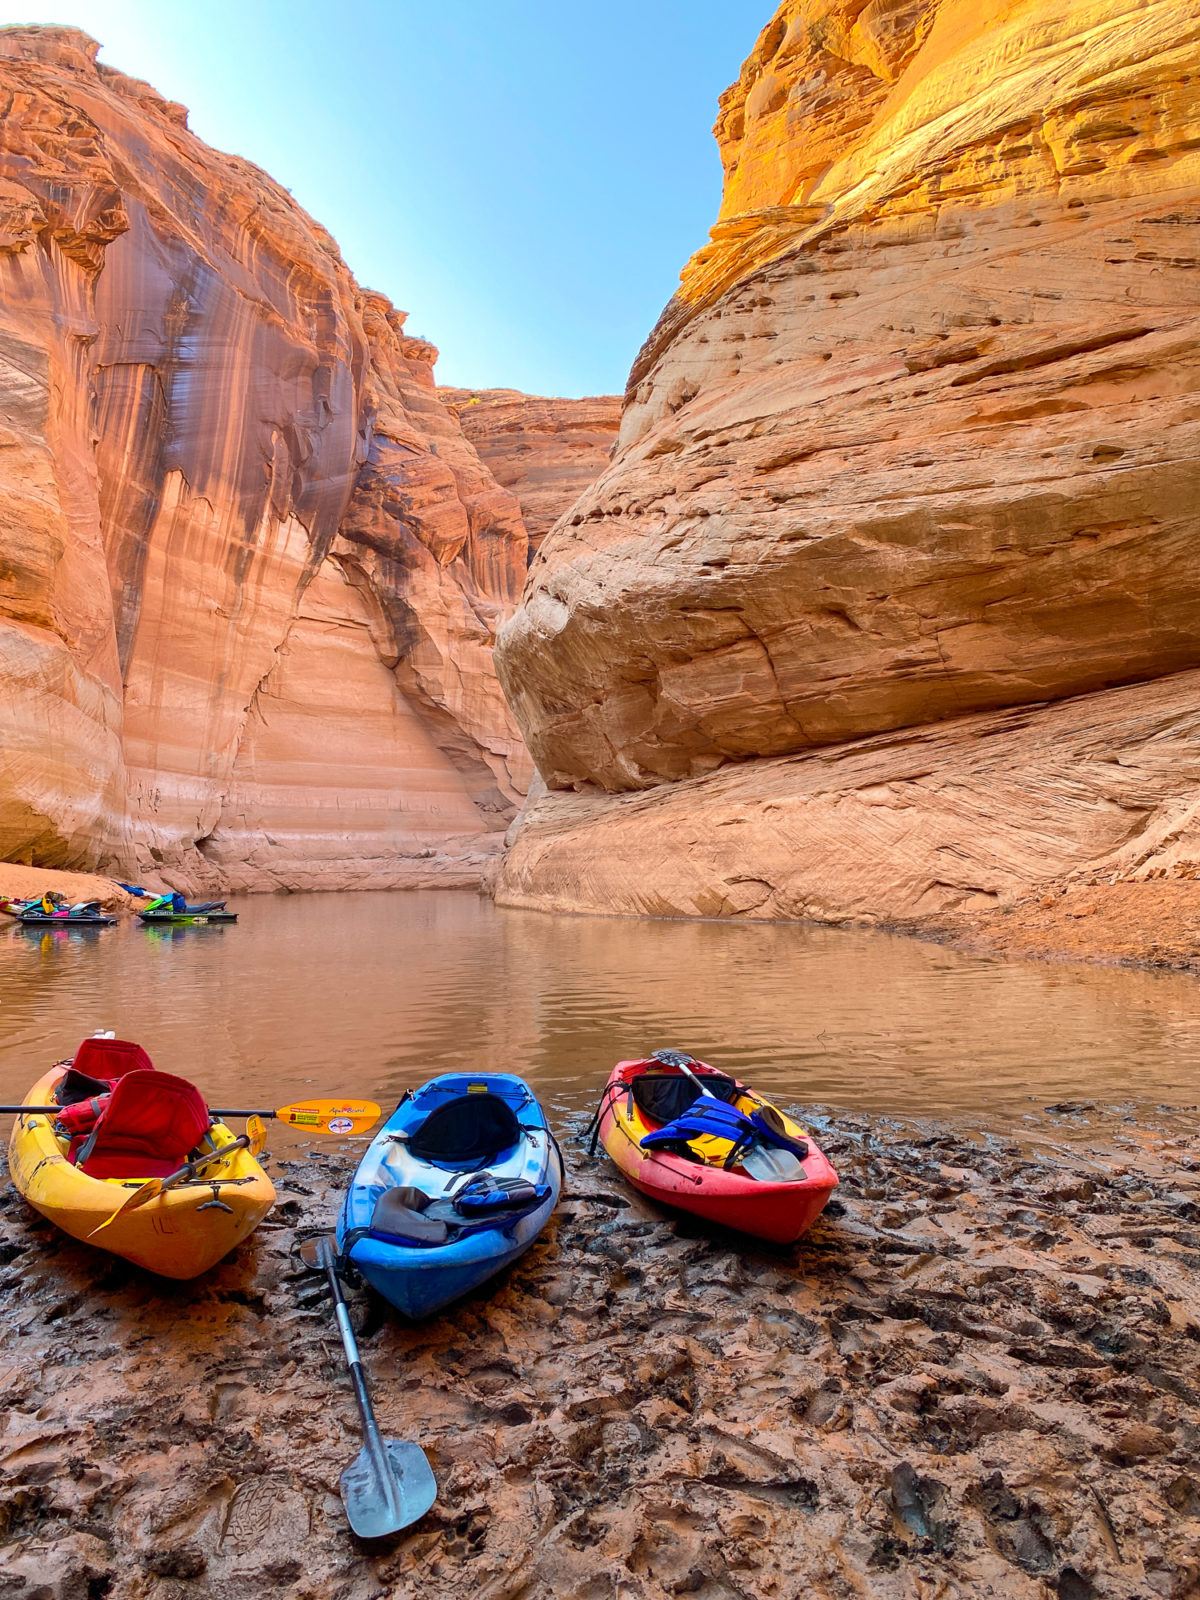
178	1235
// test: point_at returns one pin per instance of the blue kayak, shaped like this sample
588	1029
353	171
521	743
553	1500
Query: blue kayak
459	1182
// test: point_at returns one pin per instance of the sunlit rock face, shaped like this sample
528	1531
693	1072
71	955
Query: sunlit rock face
917	435
916	440
250	569
546	451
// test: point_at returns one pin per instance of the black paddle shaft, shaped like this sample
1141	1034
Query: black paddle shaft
53	1111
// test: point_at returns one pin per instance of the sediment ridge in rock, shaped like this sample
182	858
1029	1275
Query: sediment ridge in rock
250	568
915	443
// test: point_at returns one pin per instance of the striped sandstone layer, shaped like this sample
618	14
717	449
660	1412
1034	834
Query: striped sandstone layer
915	445
250	569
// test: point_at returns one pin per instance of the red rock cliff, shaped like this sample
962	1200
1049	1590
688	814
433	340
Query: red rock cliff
546	451
250	569
915	441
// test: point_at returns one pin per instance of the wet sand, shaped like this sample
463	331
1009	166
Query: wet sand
980	1374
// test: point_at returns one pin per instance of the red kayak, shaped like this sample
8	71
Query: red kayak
778	1183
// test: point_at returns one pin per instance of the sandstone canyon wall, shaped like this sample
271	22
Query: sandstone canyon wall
250	569
546	451
886	605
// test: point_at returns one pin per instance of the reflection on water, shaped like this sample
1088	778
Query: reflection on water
372	993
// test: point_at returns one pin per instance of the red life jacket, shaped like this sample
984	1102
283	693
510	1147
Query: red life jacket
81	1115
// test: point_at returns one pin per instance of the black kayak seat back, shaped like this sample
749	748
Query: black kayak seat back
666	1096
476	1128
76	1085
399	1214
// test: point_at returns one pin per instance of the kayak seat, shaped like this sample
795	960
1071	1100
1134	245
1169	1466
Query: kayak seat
97	1065
110	1059
398	1214
666	1096
475	1128
151	1122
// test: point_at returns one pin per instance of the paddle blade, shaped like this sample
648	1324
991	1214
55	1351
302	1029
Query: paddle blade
150	1190
770	1165
331	1116
386	1490
256	1132
311	1255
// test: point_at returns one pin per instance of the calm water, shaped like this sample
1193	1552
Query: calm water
372	993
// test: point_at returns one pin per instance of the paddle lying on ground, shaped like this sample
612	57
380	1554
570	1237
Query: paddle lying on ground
314	1116
390	1483
254	1139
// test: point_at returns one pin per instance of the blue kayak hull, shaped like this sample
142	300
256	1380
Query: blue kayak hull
419	1280
418	1287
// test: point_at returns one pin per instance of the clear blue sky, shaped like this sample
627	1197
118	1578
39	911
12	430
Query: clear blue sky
524	177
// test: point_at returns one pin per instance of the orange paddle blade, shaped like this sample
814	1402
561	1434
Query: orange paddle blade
331	1116
150	1190
256	1132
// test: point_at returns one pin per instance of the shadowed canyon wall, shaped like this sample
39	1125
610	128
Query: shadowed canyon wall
915	444
250	569
546	451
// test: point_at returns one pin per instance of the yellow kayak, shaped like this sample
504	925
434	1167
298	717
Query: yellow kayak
180	1234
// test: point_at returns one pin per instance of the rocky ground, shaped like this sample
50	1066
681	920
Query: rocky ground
980	1375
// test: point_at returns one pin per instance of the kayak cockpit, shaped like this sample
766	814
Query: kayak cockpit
460	1180
122	1118
704	1117
452	1158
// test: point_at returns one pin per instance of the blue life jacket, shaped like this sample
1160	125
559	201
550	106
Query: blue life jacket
484	1195
720	1121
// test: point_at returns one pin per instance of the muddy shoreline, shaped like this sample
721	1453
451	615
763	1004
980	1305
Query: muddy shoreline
980	1374
1152	926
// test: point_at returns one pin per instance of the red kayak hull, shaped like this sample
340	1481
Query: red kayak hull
778	1212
